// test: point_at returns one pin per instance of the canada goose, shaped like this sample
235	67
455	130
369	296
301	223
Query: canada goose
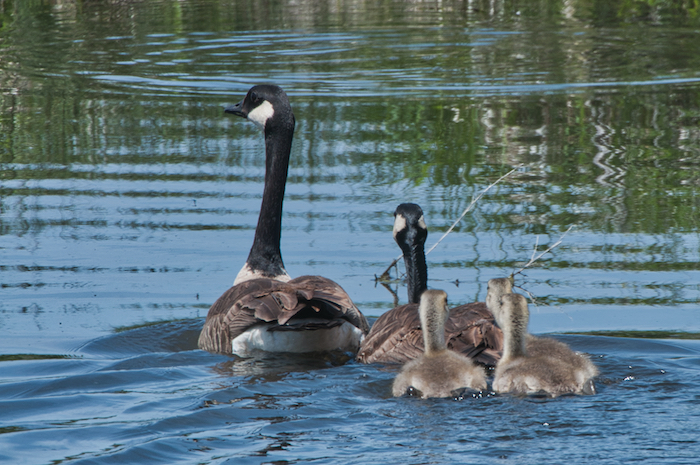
438	371
531	365
396	336
266	309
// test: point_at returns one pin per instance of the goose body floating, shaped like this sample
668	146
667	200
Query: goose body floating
266	309
438	371
396	336
533	365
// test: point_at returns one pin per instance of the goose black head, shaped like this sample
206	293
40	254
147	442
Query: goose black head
409	225
410	233
265	105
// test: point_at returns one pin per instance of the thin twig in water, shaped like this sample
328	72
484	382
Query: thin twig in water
535	302
534	250
469	207
534	259
385	275
533	299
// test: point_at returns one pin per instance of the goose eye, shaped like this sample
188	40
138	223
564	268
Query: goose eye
254	96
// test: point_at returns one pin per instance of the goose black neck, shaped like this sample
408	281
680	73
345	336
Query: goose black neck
416	270
265	255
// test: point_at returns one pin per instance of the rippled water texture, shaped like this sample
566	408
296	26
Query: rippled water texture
128	203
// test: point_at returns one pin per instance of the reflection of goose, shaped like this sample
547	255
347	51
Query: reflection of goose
266	309
531	365
396	336
438	371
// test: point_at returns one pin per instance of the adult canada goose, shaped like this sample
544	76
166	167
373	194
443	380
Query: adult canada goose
438	371
532	365
396	336
266	309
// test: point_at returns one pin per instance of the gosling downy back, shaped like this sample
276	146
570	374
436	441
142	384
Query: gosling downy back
531	367
439	371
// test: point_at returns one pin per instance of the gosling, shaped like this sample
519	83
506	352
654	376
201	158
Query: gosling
438	371
531	365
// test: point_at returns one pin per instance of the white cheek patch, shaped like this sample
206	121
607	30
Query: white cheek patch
421	222
261	114
399	224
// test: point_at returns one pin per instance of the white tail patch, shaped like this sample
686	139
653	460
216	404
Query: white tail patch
261	114
345	337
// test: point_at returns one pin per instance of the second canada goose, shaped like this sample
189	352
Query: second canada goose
438	371
396	336
531	365
266	309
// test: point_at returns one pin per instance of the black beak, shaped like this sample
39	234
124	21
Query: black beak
236	109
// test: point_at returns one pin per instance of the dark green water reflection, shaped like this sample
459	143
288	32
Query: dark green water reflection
117	165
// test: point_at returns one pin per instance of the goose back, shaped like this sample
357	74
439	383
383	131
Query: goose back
396	336
305	303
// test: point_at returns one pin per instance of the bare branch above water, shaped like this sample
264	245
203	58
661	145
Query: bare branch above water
385	276
534	258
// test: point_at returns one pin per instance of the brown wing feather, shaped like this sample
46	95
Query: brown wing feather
396	336
333	298
472	331
266	300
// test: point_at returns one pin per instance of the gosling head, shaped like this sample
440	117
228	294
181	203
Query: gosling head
497	287
266	106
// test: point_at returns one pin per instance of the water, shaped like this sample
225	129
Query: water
146	396
128	202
